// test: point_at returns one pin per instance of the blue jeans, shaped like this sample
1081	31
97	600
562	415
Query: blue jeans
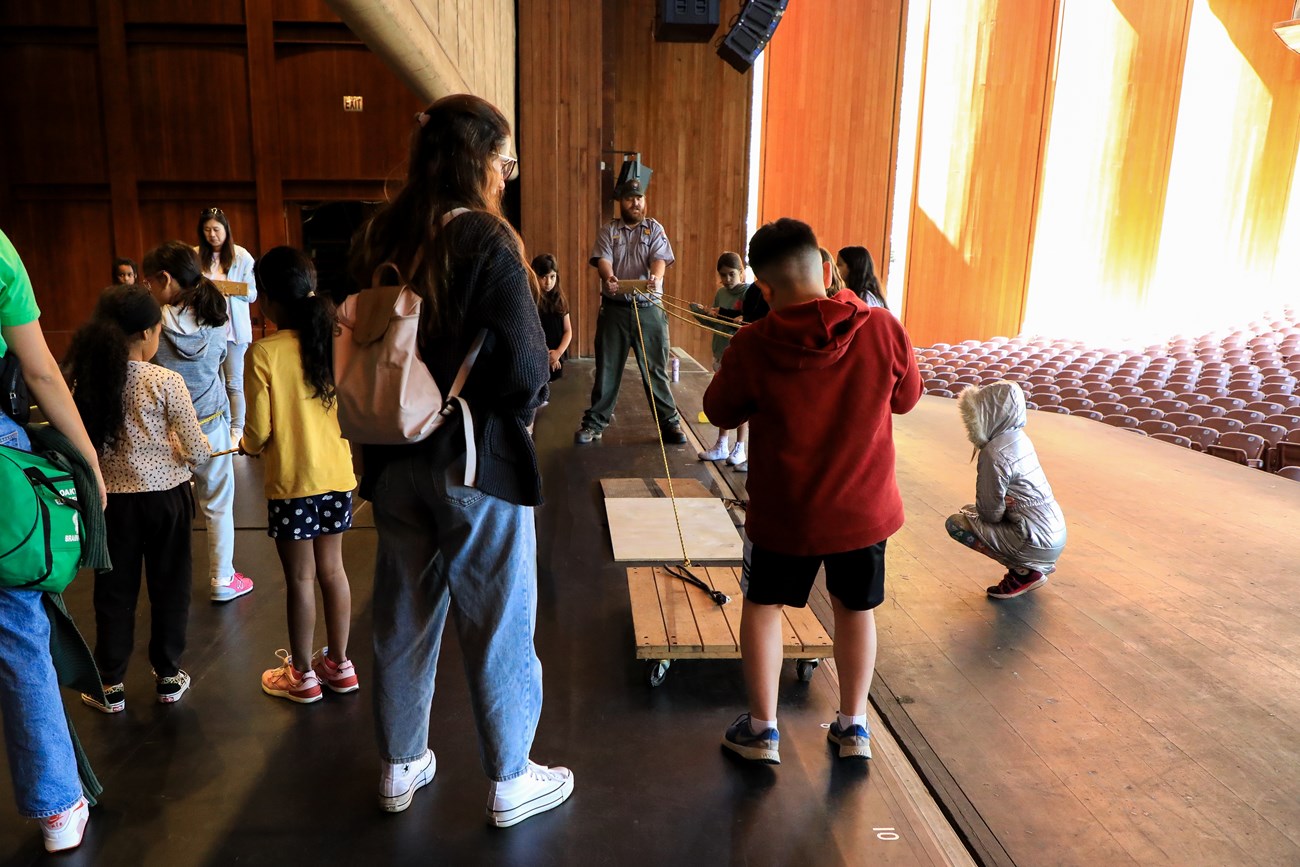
41	762
233	369
444	546
214	492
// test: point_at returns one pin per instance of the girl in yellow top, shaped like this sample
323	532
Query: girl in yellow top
292	420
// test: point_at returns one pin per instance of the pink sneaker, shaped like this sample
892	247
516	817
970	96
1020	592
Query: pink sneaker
339	678
288	682
224	590
65	830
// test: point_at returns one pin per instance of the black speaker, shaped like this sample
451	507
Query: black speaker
751	32
686	20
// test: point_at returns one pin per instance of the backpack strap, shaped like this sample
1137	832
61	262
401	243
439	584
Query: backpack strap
454	399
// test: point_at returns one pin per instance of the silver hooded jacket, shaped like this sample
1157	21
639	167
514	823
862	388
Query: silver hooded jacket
1014	513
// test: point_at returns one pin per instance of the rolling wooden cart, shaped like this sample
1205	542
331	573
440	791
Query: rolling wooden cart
673	620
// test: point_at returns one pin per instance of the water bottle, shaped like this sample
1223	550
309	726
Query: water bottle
675	365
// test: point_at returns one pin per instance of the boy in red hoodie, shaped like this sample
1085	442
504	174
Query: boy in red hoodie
818	380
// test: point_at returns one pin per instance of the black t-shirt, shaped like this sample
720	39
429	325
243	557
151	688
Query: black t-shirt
754	308
553	326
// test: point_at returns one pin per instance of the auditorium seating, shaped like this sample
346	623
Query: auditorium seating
1231	394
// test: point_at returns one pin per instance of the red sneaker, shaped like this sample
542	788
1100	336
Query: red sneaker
287	682
341	677
1013	585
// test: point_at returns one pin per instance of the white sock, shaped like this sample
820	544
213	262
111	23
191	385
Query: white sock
846	721
758	726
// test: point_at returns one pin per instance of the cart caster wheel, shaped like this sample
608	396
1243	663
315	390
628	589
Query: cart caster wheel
657	670
804	668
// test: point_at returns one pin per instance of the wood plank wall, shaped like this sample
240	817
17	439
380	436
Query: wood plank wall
131	120
984	103
590	68
833	72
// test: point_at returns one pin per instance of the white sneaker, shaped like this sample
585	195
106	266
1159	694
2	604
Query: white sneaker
717	453
65	830
738	455
539	789
399	781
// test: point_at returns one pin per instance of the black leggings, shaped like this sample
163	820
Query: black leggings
147	532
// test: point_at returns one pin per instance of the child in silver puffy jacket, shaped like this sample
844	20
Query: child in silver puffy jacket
1015	519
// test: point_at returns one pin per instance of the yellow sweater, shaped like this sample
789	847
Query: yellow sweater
299	438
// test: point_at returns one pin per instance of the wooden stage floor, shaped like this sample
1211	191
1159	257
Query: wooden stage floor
1141	708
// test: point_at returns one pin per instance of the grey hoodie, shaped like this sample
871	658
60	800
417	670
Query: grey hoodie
195	352
1030	530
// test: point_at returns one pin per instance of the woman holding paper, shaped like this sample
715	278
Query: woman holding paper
231	266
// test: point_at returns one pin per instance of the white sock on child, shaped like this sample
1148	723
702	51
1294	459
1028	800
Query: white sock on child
758	726
847	721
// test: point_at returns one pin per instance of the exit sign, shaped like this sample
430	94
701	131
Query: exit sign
352	103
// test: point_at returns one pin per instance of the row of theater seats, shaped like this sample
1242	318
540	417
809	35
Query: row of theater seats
1233	396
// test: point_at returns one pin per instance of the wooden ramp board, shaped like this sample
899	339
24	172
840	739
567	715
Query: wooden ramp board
633	488
644	530
674	620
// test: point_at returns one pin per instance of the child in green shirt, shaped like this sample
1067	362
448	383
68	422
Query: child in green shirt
727	304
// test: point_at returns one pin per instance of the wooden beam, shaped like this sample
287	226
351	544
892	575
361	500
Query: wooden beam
406	37
263	113
119	140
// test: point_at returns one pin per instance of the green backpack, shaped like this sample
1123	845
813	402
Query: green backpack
40	534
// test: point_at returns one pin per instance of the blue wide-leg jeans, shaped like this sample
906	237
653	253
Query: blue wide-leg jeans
446	547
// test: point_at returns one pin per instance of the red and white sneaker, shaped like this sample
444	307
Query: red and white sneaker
340	677
288	682
65	830
1013	585
226	589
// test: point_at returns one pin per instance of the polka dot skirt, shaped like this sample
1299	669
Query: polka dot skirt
309	517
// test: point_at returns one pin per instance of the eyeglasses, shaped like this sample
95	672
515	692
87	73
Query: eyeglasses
213	212
507	165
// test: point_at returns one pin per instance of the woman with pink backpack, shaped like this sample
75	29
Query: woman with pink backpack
453	502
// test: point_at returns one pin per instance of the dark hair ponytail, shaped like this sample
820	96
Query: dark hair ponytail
287	277
198	293
98	358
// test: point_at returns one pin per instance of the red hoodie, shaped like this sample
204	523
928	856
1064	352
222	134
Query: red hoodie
818	382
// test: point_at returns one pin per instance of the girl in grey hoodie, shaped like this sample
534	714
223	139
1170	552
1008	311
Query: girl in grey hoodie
193	344
1015	519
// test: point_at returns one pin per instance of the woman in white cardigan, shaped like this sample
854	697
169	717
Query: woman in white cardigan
223	259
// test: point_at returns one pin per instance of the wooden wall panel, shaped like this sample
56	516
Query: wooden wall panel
302	10
189	106
1106	165
171	12
324	142
177	104
48	13
687	112
68	252
829	132
559	141
60	140
984	103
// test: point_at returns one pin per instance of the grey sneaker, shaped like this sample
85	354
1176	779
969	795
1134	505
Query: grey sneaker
586	434
854	742
762	747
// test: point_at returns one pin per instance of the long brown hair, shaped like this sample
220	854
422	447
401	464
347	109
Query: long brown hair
454	149
837	282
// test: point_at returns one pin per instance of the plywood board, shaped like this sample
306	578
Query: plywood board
653	488
644	530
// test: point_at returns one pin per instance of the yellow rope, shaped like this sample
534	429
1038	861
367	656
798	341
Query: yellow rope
659	431
694	322
730	323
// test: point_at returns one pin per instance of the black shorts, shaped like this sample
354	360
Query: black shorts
302	518
855	578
